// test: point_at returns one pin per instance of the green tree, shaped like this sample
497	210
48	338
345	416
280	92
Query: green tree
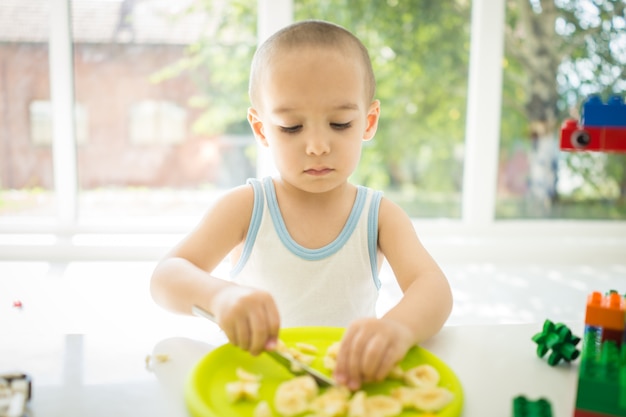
420	54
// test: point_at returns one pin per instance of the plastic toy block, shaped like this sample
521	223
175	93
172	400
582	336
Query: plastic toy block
599	114
559	339
585	413
575	137
608	312
523	407
602	376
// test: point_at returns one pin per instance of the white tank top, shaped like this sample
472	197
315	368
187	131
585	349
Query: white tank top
328	286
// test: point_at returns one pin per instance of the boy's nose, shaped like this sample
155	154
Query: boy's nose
317	144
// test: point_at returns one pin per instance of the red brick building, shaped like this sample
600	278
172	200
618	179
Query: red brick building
131	131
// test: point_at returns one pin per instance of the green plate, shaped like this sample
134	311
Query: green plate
205	391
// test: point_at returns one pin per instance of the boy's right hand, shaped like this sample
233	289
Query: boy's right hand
249	317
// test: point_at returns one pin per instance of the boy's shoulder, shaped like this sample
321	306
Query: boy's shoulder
238	200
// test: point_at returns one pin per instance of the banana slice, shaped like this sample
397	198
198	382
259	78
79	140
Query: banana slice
302	357
330	358
262	409
373	406
329	363
422	376
404	395
431	398
396	373
356	406
293	397
242	390
243	375
382	406
306	348
333	350
332	403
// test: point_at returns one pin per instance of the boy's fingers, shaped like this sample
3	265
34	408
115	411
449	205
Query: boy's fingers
353	360
273	321
242	334
260	332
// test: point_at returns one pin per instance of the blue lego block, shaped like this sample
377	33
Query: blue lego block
599	114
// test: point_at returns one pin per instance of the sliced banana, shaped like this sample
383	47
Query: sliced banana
332	403
242	390
396	373
306	348
329	363
422	376
382	406
243	375
293	397
302	357
432	398
330	358
333	350
404	395
356	406
262	409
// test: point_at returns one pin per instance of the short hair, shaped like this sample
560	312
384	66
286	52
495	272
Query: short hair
309	33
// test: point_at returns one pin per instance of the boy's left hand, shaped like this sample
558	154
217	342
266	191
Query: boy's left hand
369	350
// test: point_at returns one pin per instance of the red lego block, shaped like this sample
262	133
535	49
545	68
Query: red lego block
584	413
608	312
575	137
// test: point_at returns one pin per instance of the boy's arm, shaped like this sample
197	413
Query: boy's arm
371	347
183	277
427	299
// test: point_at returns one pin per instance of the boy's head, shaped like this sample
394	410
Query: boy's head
309	33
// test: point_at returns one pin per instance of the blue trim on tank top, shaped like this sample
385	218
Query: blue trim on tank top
372	235
253	229
299	250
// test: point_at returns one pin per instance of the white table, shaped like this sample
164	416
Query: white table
99	375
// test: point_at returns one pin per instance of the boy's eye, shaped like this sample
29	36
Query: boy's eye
340	126
290	129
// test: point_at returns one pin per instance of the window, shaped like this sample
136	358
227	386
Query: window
26	172
165	84
41	123
157	122
420	55
160	98
557	54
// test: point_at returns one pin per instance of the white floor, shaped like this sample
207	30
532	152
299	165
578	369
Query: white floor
88	297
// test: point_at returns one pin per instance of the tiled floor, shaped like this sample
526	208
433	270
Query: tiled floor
87	297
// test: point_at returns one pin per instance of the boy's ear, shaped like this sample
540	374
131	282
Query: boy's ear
373	115
257	126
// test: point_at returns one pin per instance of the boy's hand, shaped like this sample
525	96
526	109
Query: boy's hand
249	317
369	350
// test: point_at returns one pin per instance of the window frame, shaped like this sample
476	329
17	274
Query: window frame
477	235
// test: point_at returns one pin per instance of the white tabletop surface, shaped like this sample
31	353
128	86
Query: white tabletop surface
103	375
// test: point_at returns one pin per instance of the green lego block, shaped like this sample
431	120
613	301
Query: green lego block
523	407
558	339
602	376
622	378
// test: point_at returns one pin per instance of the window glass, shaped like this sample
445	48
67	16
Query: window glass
557	54
25	156
165	87
420	54
157	122
40	121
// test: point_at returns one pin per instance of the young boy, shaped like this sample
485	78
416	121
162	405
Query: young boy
307	245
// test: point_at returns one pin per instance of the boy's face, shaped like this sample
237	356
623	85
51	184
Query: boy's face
313	114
